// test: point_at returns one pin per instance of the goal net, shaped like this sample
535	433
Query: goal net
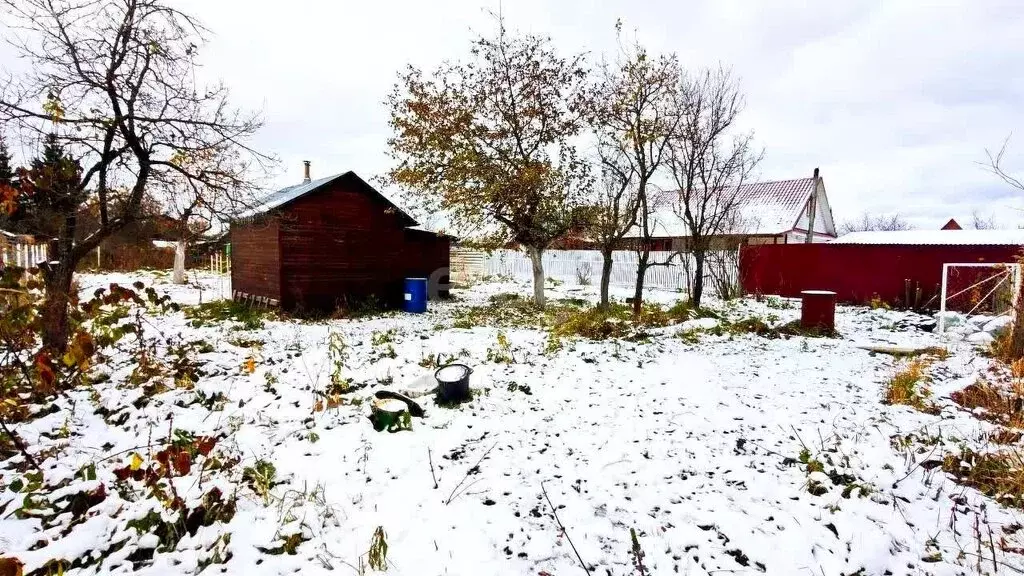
974	288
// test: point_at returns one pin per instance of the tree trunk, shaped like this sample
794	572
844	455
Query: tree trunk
1017	335
57	276
698	278
606	277
56	299
536	258
641	274
179	261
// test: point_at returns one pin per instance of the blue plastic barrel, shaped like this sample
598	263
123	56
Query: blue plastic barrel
416	295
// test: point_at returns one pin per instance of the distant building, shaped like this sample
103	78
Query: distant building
324	243
779	212
952	225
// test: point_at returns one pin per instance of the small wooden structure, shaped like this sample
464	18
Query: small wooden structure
22	250
330	242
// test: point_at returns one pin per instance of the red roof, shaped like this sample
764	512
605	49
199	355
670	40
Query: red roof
952	225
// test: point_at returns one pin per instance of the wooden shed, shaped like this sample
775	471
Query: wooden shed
331	242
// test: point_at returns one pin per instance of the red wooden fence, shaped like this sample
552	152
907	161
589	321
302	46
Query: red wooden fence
859	272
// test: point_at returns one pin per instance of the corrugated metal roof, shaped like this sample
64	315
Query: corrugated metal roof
774	207
765	208
284	196
937	237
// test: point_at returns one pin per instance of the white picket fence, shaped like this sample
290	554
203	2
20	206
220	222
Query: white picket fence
220	263
16	251
584	267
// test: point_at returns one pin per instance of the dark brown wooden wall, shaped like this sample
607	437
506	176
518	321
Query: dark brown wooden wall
426	252
341	244
256	259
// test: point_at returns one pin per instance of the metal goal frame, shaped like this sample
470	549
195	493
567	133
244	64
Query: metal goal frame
1012	271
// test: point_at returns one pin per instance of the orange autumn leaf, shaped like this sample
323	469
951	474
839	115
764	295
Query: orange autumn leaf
8	199
45	369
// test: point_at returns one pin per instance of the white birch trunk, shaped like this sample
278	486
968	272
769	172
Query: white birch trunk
179	261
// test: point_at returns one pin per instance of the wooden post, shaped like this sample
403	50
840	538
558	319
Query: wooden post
942	300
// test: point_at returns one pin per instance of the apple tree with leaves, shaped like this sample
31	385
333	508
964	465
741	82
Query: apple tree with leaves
491	141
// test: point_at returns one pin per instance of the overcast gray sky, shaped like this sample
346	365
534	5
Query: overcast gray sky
895	101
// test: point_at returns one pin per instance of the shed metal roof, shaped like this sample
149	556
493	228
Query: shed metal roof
285	196
936	238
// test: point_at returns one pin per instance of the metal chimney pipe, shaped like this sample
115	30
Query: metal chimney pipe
305	178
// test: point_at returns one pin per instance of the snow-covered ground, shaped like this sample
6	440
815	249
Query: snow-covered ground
695	446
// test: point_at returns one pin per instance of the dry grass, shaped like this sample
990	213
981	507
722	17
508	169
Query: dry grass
617	321
575	317
909	387
992	403
999	475
1000	349
1017	373
1004	436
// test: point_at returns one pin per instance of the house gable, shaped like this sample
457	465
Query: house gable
774	208
824	224
280	200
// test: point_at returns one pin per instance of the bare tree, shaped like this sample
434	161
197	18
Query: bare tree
996	164
491	141
722	262
980	222
868	222
115	80
708	164
632	118
613	214
198	209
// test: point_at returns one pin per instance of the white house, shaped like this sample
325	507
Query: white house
778	212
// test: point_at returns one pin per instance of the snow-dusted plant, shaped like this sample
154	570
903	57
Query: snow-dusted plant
337	352
32	373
